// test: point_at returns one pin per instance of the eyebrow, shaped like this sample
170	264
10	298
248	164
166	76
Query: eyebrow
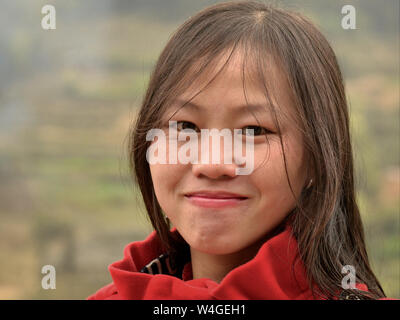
254	106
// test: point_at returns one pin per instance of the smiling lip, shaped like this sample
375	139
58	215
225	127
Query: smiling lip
215	199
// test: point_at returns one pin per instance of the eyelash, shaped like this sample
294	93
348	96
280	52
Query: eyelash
265	130
179	129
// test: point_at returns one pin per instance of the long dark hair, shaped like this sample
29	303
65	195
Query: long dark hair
326	220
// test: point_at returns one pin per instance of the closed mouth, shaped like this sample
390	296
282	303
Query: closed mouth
215	195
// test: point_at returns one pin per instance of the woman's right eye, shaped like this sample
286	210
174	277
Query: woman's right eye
182	125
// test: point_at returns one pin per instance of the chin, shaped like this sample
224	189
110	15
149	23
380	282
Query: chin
213	244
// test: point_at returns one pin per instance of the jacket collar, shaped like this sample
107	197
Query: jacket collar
276	272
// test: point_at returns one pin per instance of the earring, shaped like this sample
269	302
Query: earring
309	184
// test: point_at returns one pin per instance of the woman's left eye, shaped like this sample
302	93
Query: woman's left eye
182	125
256	131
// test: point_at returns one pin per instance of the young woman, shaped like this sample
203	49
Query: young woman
289	229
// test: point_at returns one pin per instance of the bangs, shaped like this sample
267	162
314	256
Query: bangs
256	71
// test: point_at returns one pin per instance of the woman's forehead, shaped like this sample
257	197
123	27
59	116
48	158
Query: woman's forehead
235	68
242	81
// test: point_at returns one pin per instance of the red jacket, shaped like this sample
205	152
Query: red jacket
274	273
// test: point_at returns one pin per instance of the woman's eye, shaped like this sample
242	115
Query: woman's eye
182	125
257	131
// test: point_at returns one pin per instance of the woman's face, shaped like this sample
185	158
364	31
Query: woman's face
215	210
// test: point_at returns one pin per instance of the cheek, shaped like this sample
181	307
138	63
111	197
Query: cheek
162	176
270	177
297	167
166	181
269	167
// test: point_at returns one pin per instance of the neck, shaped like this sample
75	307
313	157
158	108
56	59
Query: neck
217	266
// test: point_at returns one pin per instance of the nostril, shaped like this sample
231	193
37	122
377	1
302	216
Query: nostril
214	171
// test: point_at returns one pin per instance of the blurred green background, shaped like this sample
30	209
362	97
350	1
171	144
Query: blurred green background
68	96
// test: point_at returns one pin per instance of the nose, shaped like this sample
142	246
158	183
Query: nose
225	166
214	171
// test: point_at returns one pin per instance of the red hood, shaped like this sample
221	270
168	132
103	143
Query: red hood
274	273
